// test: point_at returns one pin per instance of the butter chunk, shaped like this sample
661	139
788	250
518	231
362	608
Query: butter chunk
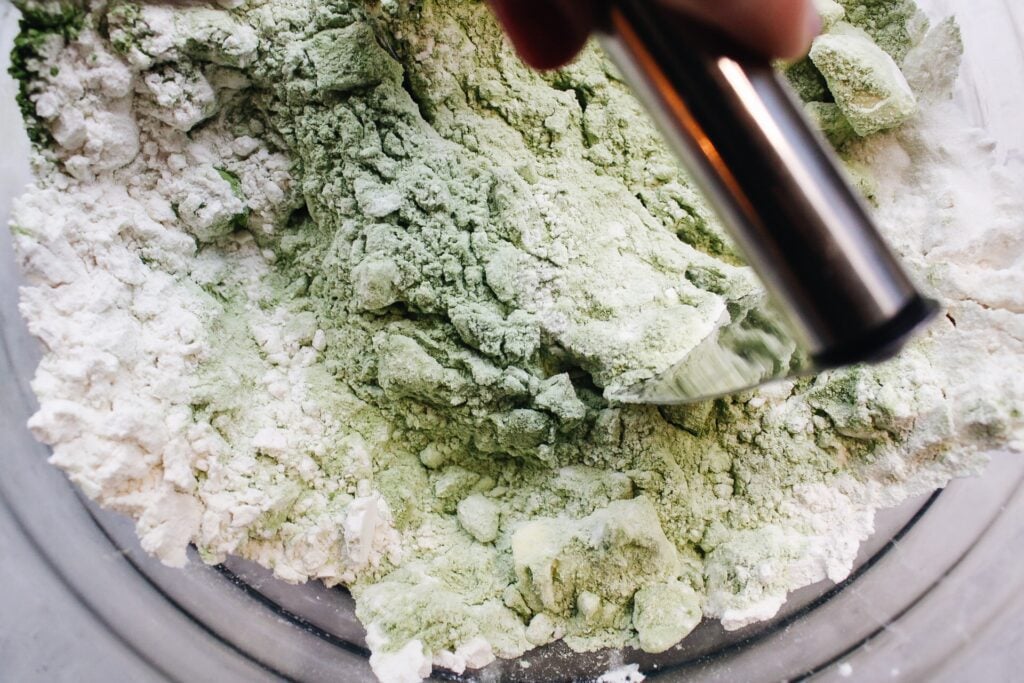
479	516
868	86
663	614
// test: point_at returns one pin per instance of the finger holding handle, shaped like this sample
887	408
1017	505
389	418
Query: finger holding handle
549	33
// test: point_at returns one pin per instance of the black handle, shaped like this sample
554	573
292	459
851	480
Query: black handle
778	189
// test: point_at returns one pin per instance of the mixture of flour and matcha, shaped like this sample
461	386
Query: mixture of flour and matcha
341	287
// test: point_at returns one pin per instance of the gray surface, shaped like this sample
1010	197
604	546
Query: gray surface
47	633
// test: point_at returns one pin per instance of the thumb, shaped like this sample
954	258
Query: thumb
548	33
545	33
773	28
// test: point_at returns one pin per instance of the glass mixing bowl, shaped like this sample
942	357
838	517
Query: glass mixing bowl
937	593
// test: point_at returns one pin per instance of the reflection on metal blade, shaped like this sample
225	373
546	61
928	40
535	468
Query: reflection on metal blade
749	347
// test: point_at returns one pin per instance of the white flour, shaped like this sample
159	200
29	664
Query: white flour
217	368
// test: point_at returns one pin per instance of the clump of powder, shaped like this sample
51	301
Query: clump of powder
343	288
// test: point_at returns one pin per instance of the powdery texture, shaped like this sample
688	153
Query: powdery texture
342	289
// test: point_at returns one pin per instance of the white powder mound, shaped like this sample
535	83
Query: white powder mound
115	297
407	664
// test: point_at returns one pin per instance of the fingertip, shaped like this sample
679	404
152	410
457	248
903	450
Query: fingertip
774	28
799	41
791	26
546	34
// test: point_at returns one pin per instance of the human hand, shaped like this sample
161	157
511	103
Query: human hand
549	33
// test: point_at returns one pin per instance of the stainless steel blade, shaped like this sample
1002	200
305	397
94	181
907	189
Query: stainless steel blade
749	346
781	193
